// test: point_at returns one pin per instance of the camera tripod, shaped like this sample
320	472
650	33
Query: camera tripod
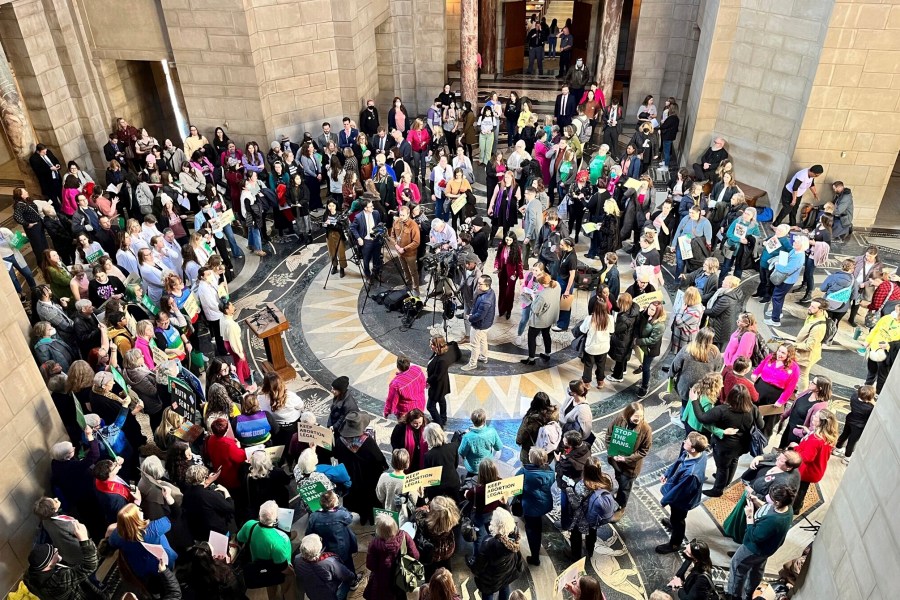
441	286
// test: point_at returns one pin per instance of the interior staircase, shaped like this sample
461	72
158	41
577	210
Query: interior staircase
559	10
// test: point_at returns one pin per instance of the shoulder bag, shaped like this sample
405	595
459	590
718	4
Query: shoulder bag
409	574
259	573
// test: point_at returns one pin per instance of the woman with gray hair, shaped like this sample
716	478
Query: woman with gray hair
207	506
445	454
265	482
499	562
382	554
107	405
323	577
162	498
268	543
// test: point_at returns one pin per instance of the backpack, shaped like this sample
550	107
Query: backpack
713	593
758	439
760	351
409	574
830	329
596	514
549	437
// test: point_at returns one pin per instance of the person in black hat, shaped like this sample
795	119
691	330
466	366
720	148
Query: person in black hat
49	577
480	239
342	403
357	450
803	180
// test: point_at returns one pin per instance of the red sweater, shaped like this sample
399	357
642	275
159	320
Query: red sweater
224	452
729	380
815	454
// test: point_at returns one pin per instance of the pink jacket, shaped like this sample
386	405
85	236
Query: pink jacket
785	379
406	392
739	345
540	155
144	346
69	204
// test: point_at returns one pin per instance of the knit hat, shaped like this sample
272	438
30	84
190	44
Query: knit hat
275	146
341	383
478	221
40	556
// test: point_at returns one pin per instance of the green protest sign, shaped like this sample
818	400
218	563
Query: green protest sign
117	377
623	442
311	495
391	513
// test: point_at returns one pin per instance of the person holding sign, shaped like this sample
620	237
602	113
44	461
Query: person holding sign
738	238
356	449
772	247
586	588
682	483
628	440
131	536
692	227
481	512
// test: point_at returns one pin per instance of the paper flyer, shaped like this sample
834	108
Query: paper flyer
571	575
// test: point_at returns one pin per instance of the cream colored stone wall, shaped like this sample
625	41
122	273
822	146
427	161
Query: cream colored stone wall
453	24
29	426
852	121
664	51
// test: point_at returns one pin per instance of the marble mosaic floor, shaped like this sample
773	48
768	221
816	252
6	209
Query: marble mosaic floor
332	334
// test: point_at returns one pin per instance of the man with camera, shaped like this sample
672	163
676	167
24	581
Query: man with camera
368	232
405	237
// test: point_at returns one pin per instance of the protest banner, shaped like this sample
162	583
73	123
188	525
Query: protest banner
422	478
315	434
311	495
183	396
391	513
645	300
622	442
505	488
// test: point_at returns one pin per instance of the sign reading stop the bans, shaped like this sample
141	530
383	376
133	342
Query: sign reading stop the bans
391	513
311	495
315	434
505	488
423	478
622	442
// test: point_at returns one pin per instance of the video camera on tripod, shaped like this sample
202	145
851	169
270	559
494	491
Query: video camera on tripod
443	263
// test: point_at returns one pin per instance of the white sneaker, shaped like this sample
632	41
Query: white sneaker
470	367
837	452
846	460
482	359
772	323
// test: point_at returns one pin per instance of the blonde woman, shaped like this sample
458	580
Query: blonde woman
694	361
436	521
686	321
129	534
164	434
815	450
707	391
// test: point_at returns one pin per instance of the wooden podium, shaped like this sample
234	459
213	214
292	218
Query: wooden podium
268	324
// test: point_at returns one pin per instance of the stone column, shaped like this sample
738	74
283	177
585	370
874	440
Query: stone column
14	120
488	32
609	43
468	50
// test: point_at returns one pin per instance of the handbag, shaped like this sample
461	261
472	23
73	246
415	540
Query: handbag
409	574
758	439
777	277
876	354
259	573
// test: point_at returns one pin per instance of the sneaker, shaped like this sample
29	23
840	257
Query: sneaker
846	460
772	323
482	359
614	379
468	368
528	361
642	392
837	452
557	329
355	585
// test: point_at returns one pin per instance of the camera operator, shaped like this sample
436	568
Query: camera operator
442	236
405	239
468	287
334	236
480	240
364	230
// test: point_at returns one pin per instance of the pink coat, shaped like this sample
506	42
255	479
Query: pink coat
144	346
739	345
785	379
69	202
540	155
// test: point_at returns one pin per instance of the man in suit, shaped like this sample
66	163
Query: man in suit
85	219
112	151
403	145
48	171
381	141
347	136
565	107
321	141
362	227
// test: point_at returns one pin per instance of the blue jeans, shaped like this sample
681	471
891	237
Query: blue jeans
564	315
25	271
746	573
778	299
679	262
809	272
735	261
253	238
229	235
667	152
551	47
440	208
480	521
503	594
523	322
645	374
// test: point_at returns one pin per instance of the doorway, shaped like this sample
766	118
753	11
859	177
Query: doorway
888	217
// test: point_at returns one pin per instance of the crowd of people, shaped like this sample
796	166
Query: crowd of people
133	272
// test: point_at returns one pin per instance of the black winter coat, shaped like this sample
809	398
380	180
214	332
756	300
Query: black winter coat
438	375
724	417
623	335
723	316
498	564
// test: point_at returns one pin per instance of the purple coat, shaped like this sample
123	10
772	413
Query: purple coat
380	561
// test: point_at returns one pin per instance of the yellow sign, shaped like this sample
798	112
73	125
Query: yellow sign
571	575
645	300
315	434
505	488
423	478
